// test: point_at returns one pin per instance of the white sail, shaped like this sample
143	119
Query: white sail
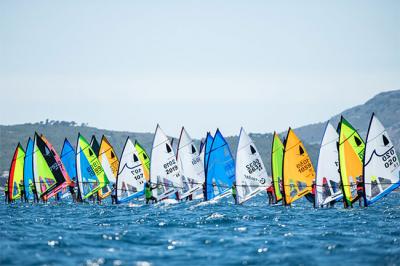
131	179
328	177
381	164
164	170
251	175
192	166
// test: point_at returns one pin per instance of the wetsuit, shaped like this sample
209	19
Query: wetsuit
148	194
234	193
270	193
33	190
22	191
6	199
114	195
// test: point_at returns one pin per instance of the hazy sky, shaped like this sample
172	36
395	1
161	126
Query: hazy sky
128	65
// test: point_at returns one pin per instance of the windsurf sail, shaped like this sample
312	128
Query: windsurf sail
145	159
164	170
68	160
298	171
131	179
109	162
95	145
351	155
381	167
90	173
191	166
16	176
251	175
277	166
48	170
220	173
206	149
328	177
28	171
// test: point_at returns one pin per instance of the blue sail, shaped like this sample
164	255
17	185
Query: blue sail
68	159
220	173
207	148
28	170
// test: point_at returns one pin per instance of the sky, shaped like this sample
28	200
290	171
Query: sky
128	65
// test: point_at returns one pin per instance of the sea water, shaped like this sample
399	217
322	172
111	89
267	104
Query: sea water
189	233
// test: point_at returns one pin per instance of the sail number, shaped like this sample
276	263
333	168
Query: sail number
254	166
170	167
195	160
96	169
390	158
304	165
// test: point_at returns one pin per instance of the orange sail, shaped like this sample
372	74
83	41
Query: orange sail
298	171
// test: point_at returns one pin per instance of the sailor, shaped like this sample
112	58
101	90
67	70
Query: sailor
114	194
360	192
21	188
148	194
98	197
33	190
204	191
270	193
6	198
72	191
234	192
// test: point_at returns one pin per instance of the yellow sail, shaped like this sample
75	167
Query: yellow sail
298	171
110	163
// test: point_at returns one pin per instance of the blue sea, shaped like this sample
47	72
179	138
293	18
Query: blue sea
207	234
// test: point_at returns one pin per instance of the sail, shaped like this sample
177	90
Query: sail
131	179
251	175
298	171
95	145
16	175
68	160
191	165
382	167
277	165
328	177
351	155
206	149
145	159
28	171
48	170
90	173
220	173
164	169
109	162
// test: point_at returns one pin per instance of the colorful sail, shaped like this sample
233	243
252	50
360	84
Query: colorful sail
298	171
16	175
110	163
277	165
164	169
220	173
191	166
328	178
206	149
48	170
29	182
251	175
131	179
68	160
351	155
145	159
382	167
90	173
95	145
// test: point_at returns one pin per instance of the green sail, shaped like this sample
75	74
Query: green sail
91	175
145	159
351	156
277	165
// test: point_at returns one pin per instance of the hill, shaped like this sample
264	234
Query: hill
385	105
